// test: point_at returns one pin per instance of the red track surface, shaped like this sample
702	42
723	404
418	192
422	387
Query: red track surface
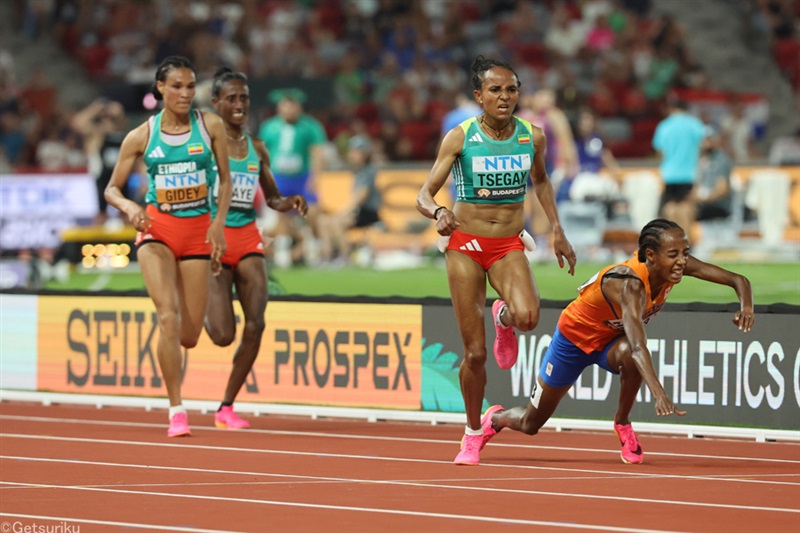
115	470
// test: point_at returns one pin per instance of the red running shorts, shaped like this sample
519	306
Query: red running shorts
243	242
185	236
484	250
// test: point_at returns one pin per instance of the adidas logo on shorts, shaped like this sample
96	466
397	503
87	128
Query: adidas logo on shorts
472	246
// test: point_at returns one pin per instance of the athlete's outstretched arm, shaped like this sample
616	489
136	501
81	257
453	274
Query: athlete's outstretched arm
633	299
745	316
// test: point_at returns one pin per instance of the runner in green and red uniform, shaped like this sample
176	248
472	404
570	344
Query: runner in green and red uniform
491	157
243	263
176	236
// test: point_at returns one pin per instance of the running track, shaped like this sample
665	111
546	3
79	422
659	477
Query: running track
114	469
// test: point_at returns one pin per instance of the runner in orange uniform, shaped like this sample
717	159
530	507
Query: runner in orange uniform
604	325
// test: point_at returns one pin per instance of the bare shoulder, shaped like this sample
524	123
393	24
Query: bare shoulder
258	144
623	275
211	119
260	147
453	141
138	136
537	133
455	134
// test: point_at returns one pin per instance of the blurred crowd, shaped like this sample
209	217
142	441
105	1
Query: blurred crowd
397	67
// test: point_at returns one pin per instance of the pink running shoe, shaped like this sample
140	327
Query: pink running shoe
470	446
486	424
226	418
179	426
505	343
631	453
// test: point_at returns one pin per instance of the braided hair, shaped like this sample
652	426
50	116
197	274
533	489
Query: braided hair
651	235
481	65
169	63
223	76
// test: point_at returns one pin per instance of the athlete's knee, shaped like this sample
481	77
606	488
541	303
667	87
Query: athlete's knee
190	334
220	336
253	329
169	323
189	340
475	355
524	317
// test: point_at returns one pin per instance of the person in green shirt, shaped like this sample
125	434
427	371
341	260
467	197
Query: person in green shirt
295	141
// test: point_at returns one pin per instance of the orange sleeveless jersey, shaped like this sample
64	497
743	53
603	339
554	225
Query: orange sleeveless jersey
591	321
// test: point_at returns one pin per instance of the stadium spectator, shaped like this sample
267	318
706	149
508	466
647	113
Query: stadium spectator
737	130
103	126
677	140
712	193
362	210
596	180
786	150
464	108
59	150
40	94
295	142
293	39
12	136
565	36
560	160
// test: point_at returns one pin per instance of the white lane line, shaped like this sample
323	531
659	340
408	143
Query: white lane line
630	474
324	479
611	475
519	521
385	438
617	473
433	485
70	520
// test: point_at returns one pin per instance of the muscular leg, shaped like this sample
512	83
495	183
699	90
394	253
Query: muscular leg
220	321
193	277
251	288
160	273
513	280
530	419
468	292
630	380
